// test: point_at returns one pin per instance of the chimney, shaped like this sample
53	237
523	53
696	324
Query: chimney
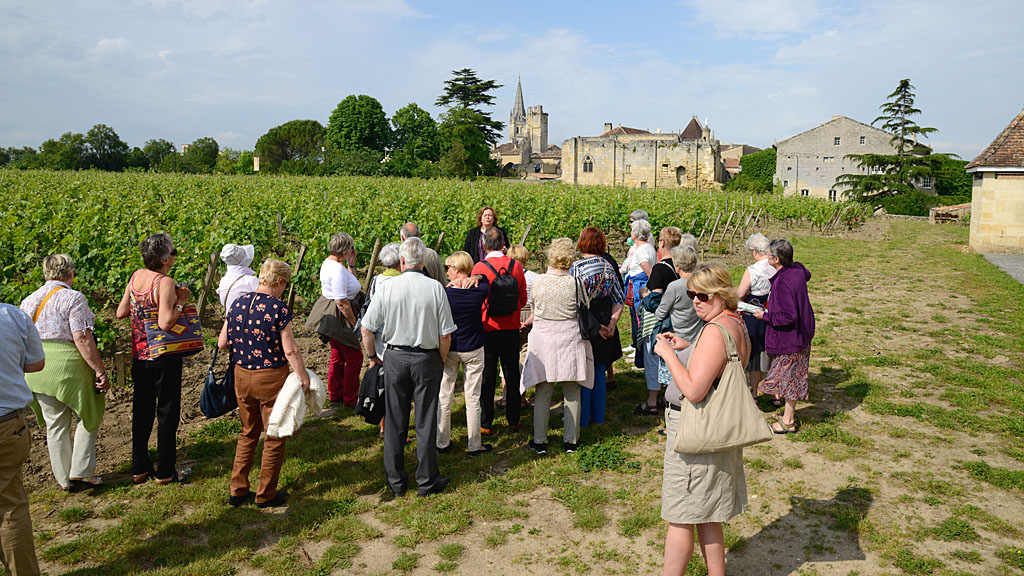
607	127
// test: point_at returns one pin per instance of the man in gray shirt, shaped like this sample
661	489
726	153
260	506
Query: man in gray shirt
412	313
431	259
21	351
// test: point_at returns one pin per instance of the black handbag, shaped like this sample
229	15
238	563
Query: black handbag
589	326
370	404
218	396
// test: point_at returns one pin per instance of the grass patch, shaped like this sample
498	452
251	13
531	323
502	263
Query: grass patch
955	529
645	517
829	430
969	556
1012	556
606	455
74	514
759	464
988	521
1000	477
406	562
793	462
915	564
586	502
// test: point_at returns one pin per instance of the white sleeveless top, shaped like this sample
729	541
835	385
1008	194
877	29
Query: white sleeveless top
760	274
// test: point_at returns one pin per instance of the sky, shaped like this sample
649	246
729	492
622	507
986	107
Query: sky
759	71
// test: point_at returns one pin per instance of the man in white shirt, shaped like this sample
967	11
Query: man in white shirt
412	313
21	351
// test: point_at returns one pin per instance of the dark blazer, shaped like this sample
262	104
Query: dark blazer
473	242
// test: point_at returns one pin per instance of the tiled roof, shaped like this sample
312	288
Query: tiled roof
693	130
1007	150
732	162
623	131
506	148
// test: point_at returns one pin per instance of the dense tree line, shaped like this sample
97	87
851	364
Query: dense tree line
359	139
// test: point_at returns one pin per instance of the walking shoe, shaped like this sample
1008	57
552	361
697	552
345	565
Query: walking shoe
628	350
631	356
484	448
237	501
446	449
513	428
570	447
281	499
540	449
437	488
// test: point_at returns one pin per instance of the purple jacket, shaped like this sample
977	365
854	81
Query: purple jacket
788	313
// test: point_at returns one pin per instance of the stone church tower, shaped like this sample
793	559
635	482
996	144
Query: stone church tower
527	128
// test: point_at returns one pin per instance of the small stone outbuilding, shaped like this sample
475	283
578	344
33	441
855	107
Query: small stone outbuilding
997	199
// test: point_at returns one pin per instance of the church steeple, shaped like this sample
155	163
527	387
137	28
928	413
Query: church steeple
517	126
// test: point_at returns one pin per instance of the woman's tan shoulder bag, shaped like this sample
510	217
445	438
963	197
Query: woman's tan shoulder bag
727	418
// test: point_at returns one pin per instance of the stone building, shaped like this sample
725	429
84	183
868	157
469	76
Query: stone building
527	151
809	163
636	158
731	154
997	199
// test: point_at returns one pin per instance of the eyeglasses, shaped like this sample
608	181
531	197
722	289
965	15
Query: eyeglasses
174	251
701	297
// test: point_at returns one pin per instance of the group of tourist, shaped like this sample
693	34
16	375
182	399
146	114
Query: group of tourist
421	320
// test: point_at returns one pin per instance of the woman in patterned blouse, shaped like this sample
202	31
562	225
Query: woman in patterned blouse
259	331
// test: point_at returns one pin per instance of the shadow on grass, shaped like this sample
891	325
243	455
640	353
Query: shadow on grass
813	531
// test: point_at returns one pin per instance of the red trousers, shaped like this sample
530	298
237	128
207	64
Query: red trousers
343	374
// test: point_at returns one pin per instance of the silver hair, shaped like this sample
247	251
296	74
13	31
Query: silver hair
758	243
58	267
688	241
412	251
641	229
340	244
782	250
389	257
684	258
410	230
638	215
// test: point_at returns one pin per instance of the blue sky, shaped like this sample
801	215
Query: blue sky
759	70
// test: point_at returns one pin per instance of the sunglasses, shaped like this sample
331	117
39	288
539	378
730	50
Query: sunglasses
700	297
174	251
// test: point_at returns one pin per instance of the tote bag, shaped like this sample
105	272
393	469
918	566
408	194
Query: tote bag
727	418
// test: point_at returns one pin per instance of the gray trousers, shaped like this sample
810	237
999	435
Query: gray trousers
411	376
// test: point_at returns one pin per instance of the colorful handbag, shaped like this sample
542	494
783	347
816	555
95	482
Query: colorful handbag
185	338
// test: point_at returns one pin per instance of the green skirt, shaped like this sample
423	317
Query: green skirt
68	378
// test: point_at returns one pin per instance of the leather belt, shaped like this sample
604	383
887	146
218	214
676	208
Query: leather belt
675	407
9	416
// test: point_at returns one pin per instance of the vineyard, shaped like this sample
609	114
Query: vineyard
99	218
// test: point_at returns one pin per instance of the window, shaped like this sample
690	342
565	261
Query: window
643	185
588	163
785	183
832	195
878	170
863	140
789	168
628	166
829	159
926	183
835	141
805	192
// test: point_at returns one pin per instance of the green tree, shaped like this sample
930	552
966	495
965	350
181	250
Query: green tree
462	126
244	163
951	179
227	161
353	162
893	174
68	153
416	133
106	149
5	157
757	174
171	163
296	140
137	159
358	123
24	158
156	149
201	156
466	90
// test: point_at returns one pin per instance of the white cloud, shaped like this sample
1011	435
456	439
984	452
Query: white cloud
227	138
756	18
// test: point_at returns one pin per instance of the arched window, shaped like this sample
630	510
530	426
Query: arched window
588	163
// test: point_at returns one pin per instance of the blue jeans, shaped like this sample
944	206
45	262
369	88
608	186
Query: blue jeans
592	401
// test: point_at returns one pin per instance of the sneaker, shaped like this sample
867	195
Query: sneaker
281	499
631	356
628	350
570	447
540	449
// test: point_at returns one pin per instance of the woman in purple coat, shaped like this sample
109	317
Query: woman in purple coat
787	340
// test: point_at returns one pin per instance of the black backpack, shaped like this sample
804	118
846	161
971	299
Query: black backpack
504	297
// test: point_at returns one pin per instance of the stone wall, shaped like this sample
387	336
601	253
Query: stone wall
997	212
642	161
812	161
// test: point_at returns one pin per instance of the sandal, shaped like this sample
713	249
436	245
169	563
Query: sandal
645	409
780	427
500	403
140	478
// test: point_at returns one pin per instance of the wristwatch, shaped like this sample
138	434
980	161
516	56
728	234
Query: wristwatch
179	307
374	357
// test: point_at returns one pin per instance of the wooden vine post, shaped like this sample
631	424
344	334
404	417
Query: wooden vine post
204	294
119	368
373	261
525	234
437	247
295	273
